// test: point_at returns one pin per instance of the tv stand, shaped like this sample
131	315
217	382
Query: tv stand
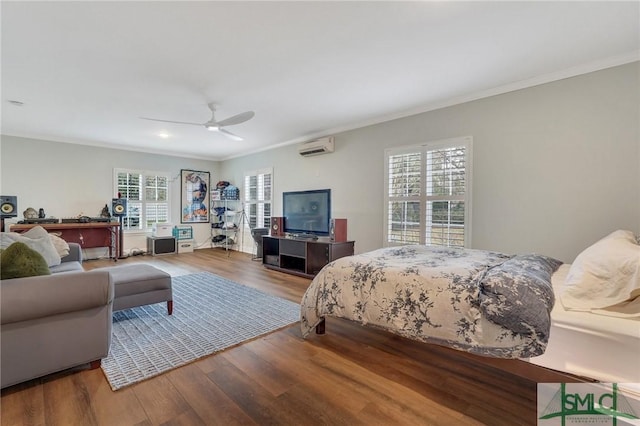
302	257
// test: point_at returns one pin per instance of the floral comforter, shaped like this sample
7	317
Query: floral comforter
483	302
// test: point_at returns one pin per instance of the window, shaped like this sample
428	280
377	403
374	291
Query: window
258	190
257	198
147	195
427	194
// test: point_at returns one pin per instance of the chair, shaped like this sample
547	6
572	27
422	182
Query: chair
257	234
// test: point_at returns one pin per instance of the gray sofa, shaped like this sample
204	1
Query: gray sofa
54	322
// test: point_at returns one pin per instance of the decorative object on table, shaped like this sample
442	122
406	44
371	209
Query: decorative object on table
30	213
105	211
41	213
194	196
211	312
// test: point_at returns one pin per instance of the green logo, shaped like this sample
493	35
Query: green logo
608	402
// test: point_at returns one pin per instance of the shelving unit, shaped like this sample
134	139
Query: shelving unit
226	223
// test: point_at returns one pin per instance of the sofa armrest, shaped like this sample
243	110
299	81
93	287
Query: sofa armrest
75	253
23	299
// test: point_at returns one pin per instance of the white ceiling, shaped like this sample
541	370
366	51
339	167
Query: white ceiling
86	71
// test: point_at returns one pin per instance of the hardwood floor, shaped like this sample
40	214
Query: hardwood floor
351	375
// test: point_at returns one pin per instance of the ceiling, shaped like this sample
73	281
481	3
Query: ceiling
85	72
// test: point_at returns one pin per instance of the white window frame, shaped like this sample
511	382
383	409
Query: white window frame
423	198
142	228
263	215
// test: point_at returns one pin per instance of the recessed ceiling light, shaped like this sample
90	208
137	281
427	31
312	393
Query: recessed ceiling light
16	103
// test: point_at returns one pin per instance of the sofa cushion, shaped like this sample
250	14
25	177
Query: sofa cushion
66	267
137	278
18	260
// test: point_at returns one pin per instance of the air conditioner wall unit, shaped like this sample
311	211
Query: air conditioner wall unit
317	147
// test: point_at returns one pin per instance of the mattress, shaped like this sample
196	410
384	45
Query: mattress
599	347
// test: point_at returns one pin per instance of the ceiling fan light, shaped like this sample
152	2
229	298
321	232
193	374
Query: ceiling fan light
212	128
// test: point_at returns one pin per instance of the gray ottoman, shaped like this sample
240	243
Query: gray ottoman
140	284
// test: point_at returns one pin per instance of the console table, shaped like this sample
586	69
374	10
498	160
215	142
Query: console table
302	257
88	235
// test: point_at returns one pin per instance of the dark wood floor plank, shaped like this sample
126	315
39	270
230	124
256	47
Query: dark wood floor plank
109	407
307	406
308	373
206	399
276	381
67	401
23	405
255	401
161	400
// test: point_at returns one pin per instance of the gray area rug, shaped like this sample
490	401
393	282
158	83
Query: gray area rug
210	314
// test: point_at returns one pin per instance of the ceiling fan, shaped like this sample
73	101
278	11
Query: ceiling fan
213	124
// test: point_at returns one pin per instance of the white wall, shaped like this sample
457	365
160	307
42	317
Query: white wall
555	167
69	179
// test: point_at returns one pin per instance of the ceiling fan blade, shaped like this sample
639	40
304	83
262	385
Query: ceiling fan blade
237	119
171	121
230	135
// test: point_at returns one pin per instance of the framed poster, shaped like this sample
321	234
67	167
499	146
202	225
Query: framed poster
194	196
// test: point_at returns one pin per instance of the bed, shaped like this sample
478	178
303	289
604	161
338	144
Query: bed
588	338
581	318
483	302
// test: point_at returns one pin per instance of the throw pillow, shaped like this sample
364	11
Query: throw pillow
61	246
18	260
604	274
36	238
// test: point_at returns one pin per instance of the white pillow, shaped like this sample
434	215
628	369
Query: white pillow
37	239
61	246
605	274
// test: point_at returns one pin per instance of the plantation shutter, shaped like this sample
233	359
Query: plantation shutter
147	195
445	198
404	191
156	200
427	194
258	188
257	199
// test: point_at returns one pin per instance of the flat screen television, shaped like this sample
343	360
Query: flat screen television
307	212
